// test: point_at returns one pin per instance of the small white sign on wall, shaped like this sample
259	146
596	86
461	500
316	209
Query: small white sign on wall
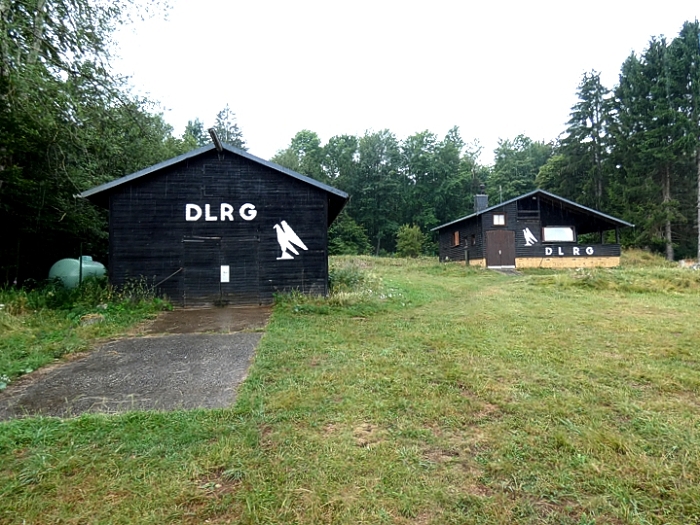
225	273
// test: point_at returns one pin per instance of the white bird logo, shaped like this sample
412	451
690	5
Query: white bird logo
530	238
287	239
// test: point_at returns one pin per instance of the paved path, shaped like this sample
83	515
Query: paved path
178	371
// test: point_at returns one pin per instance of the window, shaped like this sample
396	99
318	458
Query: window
499	219
558	234
455	239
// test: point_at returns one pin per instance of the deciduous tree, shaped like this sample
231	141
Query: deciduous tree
65	124
516	166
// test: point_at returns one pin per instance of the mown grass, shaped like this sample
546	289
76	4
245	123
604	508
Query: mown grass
443	395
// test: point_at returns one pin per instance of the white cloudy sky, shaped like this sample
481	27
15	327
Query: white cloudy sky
494	68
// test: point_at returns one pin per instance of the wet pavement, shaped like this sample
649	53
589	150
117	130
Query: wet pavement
198	363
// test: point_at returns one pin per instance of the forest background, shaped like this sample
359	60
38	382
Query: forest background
68	124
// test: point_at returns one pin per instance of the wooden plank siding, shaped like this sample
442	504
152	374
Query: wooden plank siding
150	238
470	242
531	213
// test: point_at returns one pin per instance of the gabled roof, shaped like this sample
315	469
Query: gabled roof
336	198
571	204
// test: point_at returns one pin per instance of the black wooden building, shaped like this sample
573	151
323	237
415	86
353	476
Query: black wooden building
219	226
538	229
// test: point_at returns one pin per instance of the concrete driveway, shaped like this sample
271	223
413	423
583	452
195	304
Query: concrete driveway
198	364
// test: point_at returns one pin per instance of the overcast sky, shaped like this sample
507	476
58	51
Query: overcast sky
495	69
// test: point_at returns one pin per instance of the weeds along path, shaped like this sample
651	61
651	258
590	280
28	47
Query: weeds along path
424	393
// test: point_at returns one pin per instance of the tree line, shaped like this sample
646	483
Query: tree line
68	124
421	181
632	151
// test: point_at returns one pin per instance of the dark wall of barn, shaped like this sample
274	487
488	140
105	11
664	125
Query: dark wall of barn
470	241
150	237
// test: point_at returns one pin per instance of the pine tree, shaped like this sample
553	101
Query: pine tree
227	128
648	134
685	53
584	149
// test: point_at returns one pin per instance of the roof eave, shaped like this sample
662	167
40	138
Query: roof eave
610	218
97	190
146	171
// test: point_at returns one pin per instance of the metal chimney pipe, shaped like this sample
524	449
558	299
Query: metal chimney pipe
215	139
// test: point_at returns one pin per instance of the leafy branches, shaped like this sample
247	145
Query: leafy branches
65	124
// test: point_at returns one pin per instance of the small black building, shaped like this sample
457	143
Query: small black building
219	226
538	229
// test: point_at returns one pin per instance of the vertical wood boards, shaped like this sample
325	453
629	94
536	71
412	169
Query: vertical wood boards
235	204
500	248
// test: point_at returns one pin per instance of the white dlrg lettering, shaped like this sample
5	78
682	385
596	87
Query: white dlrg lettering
248	212
226	211
207	214
194	212
562	251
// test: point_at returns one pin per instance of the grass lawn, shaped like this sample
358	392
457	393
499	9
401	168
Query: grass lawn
437	394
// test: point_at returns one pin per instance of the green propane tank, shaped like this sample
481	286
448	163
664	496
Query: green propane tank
69	271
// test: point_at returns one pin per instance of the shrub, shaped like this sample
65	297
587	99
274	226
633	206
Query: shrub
409	241
345	278
346	237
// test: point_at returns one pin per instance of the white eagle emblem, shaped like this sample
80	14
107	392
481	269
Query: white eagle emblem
530	238
287	239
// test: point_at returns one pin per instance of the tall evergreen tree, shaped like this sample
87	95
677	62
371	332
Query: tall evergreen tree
304	155
340	158
649	143
578	171
685	62
421	180
376	191
632	189
457	172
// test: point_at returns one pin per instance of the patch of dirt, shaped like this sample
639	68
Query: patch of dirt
441	456
317	360
477	489
219	482
506	271
487	410
367	435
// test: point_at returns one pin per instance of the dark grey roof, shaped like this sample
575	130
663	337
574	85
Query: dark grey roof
552	196
194	153
338	197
